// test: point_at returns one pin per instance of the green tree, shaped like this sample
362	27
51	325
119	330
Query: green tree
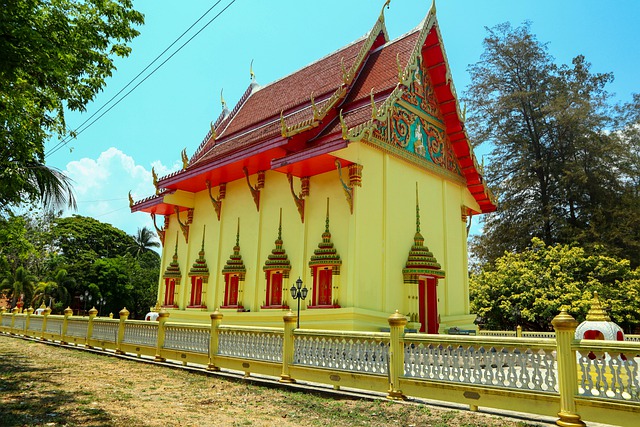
145	240
20	286
554	162
55	55
531	287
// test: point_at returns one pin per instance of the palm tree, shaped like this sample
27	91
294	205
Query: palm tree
21	284
53	187
145	240
52	291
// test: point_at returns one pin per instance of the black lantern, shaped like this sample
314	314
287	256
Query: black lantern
298	292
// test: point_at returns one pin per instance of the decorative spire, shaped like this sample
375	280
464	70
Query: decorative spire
417	212
326	254
200	267
420	261
235	263
326	228
278	260
596	312
251	73
173	270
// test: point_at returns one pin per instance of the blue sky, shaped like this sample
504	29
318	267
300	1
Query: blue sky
172	109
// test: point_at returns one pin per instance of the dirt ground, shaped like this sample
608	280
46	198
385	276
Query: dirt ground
47	385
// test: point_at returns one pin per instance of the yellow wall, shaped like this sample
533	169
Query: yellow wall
373	242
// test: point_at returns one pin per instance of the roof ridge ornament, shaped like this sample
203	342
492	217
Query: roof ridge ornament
185	159
386	4
225	110
154	175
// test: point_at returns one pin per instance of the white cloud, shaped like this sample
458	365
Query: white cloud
102	186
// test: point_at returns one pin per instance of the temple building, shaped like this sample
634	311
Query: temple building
353	174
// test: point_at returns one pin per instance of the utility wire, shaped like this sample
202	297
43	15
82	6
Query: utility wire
66	140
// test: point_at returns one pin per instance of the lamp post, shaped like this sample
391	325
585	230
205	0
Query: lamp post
86	297
298	292
100	302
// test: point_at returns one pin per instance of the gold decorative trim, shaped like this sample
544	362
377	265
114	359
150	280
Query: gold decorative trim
353	178
217	203
348	77
255	191
159	231
184	226
299	199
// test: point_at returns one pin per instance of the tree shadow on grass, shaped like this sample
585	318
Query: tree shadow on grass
32	395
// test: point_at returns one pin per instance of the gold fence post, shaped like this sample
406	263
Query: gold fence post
397	322
290	320
45	313
27	321
124	315
163	316
92	315
216	320
13	320
65	325
2	311
565	327
519	331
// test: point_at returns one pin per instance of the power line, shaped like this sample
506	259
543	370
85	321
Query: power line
66	140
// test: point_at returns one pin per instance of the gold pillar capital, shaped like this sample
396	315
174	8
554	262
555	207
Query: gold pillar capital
290	317
397	319
564	322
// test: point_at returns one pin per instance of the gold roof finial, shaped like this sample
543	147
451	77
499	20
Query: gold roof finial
185	159
386	4
222	101
130	200
596	312
155	179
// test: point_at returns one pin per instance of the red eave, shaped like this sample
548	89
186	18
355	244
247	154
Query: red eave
435	62
155	204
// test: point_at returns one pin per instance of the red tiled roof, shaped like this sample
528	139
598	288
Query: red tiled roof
255	126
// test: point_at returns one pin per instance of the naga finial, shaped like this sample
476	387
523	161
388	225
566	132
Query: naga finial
185	159
386	4
222	101
130	200
374	110
155	180
251	73
343	126
213	131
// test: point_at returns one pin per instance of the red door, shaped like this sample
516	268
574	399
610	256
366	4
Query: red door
428	305
324	287
169	290
196	290
432	306
275	297
422	306
231	293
